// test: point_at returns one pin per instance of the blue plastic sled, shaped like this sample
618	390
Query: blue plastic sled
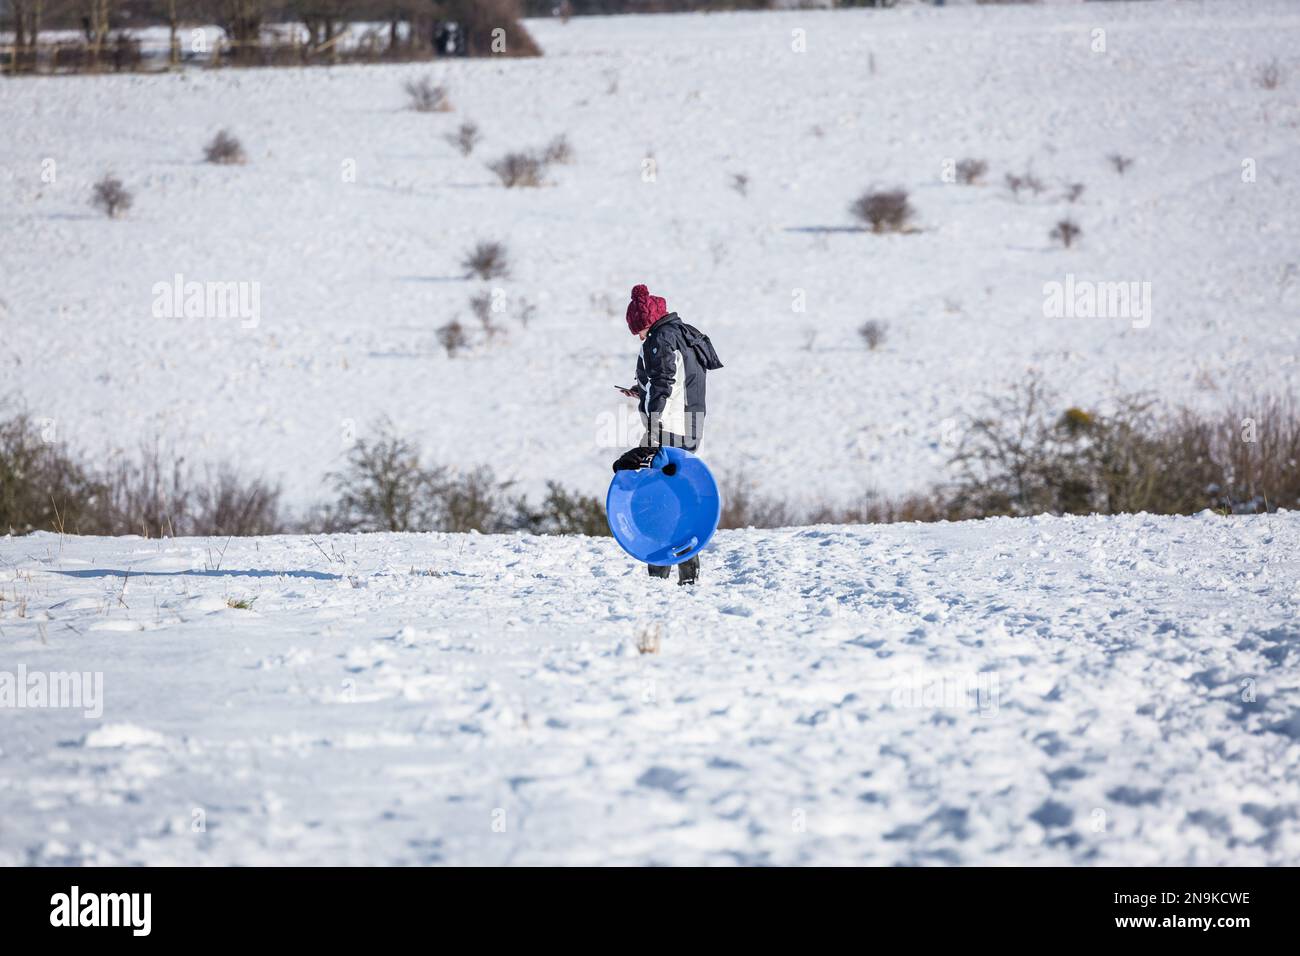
664	514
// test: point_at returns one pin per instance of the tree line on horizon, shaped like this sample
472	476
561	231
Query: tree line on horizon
401	29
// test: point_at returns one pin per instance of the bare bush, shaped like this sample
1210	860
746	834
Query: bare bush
465	138
1026	181
971	171
1066	232
1025	455
527	311
229	505
562	512
224	150
519	170
453	338
558	150
740	183
384	487
1025	458
1256	445
44	486
425	96
110	196
1121	163
872	333
487	260
1269	75
473	501
149	495
884	210
742	507
482	305
1073	191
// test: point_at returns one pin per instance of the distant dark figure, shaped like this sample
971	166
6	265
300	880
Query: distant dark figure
448	38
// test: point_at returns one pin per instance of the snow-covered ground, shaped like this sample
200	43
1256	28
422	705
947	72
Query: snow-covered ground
356	273
1103	691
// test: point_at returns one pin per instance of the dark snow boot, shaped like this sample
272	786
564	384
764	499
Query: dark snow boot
688	571
659	570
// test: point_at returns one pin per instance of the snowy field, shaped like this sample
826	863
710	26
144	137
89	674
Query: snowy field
354	277
1046	691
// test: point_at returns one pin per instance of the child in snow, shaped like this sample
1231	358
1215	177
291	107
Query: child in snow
671	368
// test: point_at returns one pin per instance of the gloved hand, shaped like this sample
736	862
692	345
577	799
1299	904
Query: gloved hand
635	458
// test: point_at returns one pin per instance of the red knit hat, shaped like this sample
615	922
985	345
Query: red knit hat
644	310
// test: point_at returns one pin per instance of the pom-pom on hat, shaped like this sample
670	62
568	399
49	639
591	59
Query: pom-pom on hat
644	310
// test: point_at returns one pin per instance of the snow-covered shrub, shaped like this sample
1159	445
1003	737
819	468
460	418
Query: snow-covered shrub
225	150
1065	232
426	96
519	170
872	332
111	196
487	260
971	171
884	210
453	337
465	138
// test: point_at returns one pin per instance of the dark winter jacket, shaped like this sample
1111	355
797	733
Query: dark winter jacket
670	374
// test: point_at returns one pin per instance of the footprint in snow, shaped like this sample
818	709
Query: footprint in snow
663	778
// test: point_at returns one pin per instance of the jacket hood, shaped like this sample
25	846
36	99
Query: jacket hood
692	337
